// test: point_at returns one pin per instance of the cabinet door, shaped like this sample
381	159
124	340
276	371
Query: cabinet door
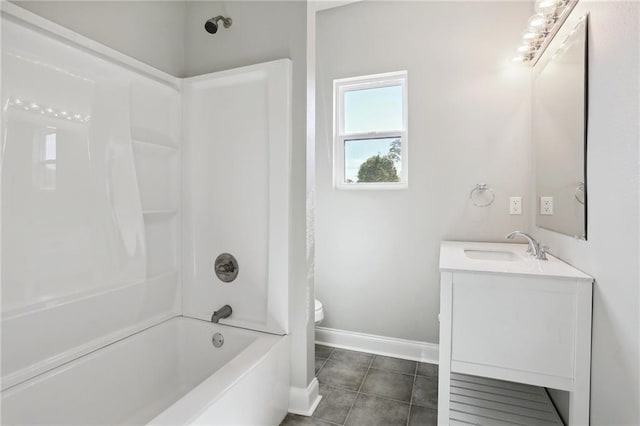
519	323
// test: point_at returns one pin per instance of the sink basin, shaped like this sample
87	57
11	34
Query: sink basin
491	255
501	258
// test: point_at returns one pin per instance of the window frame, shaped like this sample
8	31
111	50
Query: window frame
374	81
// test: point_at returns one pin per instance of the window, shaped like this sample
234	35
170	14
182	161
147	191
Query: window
46	152
370	132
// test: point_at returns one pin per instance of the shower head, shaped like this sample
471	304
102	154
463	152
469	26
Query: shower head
212	24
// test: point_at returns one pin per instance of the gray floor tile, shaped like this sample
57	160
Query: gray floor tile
342	374
388	384
423	416
351	357
296	420
425	369
323	351
319	363
335	404
372	411
425	392
394	364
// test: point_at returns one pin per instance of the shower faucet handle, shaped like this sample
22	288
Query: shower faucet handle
225	267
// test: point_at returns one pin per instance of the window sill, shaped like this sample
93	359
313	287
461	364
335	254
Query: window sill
371	186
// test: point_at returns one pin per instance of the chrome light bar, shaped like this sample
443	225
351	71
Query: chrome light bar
541	27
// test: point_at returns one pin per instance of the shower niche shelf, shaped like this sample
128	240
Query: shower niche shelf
159	213
155	146
149	137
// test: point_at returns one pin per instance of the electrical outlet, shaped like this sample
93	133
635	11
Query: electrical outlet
546	205
515	205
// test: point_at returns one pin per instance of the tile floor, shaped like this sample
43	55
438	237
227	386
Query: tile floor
361	389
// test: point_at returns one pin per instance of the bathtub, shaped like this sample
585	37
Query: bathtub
169	374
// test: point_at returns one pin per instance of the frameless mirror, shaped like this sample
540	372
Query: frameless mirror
559	131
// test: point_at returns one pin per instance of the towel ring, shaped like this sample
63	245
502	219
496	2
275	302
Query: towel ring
482	187
579	188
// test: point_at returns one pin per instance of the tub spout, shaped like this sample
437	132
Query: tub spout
221	313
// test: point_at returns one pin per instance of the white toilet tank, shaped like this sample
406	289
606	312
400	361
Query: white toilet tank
319	312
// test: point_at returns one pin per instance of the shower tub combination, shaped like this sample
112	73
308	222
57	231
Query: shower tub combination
100	324
169	374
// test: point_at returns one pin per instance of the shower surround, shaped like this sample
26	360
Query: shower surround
113	212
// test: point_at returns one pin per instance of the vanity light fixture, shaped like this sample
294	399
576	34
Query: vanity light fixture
541	27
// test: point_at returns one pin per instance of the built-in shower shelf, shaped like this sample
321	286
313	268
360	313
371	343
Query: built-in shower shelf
146	136
155	213
156	146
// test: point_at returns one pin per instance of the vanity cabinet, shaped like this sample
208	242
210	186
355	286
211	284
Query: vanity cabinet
505	315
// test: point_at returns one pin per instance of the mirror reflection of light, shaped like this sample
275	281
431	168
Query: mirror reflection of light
47	110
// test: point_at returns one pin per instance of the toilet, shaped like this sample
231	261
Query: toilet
319	312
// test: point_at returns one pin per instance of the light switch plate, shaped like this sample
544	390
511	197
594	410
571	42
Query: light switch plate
515	205
546	206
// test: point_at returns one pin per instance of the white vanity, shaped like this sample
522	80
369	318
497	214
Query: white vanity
507	315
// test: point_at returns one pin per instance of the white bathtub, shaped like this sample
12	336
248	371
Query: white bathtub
169	374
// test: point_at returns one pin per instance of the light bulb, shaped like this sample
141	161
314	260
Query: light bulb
547	7
530	35
524	48
537	21
520	58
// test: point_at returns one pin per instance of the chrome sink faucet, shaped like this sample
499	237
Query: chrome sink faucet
221	313
534	247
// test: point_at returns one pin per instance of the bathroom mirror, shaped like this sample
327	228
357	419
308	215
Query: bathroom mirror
559	131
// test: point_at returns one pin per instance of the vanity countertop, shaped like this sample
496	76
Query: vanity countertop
505	258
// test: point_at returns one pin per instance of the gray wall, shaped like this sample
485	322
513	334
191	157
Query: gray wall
150	31
377	251
612	251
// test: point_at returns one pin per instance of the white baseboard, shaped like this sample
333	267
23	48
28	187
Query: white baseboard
380	345
304	401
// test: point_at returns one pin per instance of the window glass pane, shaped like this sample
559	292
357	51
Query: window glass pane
372	160
50	146
370	110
